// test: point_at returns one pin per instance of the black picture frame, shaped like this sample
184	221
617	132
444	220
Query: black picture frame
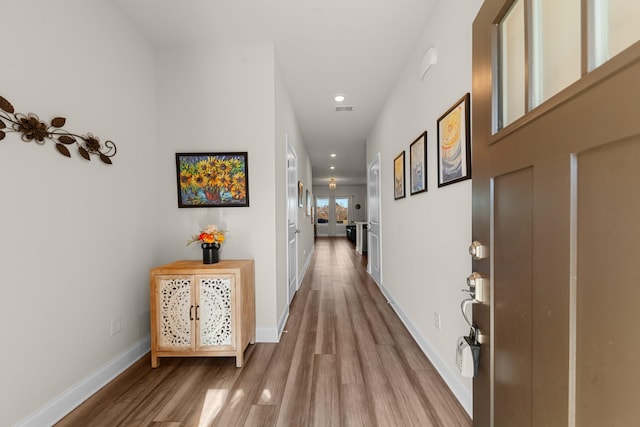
454	143
418	165
212	180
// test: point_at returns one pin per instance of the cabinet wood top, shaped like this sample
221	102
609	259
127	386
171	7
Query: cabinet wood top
197	267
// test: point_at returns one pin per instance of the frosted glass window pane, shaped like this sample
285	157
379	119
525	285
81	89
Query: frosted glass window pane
555	47
615	27
512	65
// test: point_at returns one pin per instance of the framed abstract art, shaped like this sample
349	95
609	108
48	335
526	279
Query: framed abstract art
454	144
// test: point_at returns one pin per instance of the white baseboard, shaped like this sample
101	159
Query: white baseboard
56	409
305	267
464	396
282	321
273	334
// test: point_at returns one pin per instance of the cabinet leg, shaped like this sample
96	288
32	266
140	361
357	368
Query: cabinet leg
239	359
154	361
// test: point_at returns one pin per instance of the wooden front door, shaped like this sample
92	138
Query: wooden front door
556	200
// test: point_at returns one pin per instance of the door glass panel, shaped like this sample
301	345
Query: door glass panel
555	47
512	65
342	210
614	27
322	209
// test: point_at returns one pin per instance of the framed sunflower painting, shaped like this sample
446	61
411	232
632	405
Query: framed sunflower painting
212	180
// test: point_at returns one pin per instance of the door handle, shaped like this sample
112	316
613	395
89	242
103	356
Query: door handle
478	287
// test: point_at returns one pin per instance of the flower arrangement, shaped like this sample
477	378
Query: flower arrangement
210	235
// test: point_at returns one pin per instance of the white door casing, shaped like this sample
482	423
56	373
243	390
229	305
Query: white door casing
374	247
292	221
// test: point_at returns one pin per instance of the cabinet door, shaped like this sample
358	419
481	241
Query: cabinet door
215	315
174	307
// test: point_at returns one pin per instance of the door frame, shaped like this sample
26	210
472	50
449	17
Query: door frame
292	211
371	249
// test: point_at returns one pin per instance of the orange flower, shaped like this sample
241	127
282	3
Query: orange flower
211	234
206	238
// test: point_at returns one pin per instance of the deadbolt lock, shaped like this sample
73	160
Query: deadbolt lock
478	251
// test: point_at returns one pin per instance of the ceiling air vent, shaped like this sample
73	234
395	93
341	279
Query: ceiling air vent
345	108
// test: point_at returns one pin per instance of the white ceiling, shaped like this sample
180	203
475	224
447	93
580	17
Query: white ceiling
324	47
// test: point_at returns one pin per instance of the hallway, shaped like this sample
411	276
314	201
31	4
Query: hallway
345	359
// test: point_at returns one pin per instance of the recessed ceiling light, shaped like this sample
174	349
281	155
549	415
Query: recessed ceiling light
332	167
338	98
333	154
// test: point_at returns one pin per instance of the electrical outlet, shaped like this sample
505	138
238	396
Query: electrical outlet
436	320
116	324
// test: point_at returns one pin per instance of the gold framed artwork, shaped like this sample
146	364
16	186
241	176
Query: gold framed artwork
398	177
454	144
300	194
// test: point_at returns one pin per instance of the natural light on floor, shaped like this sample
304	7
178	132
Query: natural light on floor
213	403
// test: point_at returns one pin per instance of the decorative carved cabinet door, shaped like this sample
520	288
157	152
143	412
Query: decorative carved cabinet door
176	304
215	314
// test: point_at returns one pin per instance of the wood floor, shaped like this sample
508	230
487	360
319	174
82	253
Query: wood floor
344	360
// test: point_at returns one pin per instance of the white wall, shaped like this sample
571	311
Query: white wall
77	238
216	99
426	236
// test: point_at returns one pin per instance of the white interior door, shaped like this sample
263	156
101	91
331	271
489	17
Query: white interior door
373	203
292	222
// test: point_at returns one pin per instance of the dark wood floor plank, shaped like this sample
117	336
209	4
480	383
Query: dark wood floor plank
444	406
403	340
179	396
384	405
275	378
246	389
378	327
356	409
325	393
262	416
190	395
105	403
294	407
349	368
409	399
344	359
326	335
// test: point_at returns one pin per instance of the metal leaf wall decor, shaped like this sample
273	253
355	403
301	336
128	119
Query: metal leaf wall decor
33	129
